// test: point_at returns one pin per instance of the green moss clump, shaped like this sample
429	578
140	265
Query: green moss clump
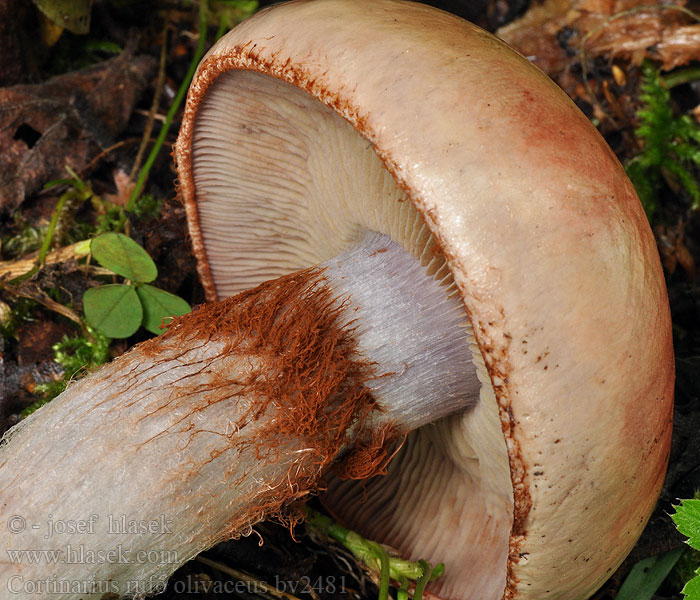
670	145
78	356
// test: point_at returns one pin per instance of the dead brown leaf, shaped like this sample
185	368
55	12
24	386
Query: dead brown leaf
673	249
65	121
552	32
18	51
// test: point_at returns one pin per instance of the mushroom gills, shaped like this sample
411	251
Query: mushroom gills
230	416
283	182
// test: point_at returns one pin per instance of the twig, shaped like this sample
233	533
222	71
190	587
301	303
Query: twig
154	105
241	576
42	298
174	107
12	269
105	152
147	113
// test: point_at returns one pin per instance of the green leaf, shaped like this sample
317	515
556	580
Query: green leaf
114	310
230	13
74	15
119	253
158	305
55	182
692	589
647	575
687	520
102	46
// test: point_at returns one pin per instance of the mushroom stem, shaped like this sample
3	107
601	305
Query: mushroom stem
409	328
230	416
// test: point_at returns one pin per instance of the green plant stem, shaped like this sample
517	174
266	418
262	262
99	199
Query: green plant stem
377	558
384	570
681	76
423	580
48	238
174	107
221	30
402	593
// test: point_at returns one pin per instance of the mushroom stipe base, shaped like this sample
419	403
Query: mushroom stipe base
307	371
234	414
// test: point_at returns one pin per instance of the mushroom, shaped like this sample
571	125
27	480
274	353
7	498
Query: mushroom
487	280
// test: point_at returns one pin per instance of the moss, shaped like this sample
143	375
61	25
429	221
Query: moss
670	146
77	356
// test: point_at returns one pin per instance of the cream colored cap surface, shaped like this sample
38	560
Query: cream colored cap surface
315	121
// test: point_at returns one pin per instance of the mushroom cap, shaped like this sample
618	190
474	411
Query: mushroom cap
463	152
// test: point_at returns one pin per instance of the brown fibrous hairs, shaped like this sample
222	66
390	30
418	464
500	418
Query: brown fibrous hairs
297	328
